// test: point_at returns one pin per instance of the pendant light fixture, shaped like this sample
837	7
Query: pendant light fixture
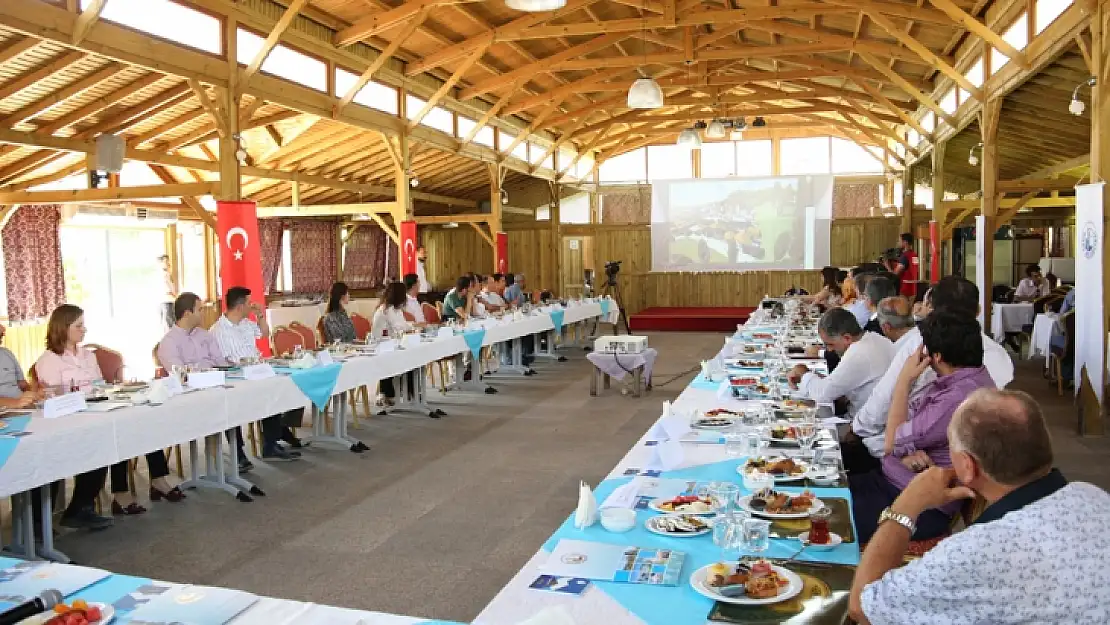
689	138
645	93
715	130
535	6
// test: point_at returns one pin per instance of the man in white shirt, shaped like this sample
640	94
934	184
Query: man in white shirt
864	358
952	294
1033	286
236	334
490	295
1037	553
421	255
412	304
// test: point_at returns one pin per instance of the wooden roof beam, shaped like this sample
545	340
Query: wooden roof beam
982	31
896	79
111	194
384	20
883	128
447	86
51	100
382	58
17	48
86	20
99	105
24	80
897	110
272	40
843	41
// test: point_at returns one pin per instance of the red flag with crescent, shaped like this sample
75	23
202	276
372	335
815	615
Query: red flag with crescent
240	256
408	247
501	253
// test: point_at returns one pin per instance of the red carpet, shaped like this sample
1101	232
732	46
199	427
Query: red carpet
709	319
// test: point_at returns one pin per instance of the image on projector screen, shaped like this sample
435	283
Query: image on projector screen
733	224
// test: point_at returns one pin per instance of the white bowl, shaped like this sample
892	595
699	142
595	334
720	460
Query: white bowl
618	520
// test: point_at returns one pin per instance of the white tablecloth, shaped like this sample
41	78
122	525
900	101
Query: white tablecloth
1009	318
59	448
1045	326
618	365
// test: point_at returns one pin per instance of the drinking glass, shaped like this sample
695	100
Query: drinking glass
807	434
819	525
298	351
735	444
728	531
723	495
753	444
757	535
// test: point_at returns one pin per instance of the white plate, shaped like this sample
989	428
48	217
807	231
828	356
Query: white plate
696	426
697	580
834	542
107	613
746	506
650	525
780	478
654	505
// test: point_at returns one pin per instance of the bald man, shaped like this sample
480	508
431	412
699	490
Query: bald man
1037	553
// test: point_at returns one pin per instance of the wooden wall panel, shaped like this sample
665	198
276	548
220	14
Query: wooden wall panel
453	252
856	241
532	253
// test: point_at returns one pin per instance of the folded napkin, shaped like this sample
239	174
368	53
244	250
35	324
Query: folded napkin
306	361
586	514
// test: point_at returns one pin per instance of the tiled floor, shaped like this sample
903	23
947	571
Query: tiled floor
440	514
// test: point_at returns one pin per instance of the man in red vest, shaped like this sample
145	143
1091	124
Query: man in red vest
907	266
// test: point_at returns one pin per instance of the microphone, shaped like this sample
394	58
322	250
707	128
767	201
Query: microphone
46	600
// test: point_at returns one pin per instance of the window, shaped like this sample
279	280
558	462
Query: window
190	258
439	118
669	162
285	267
755	158
520	150
628	167
574	209
849	158
1017	35
484	137
537	155
929	121
168	20
718	160
566	157
808	155
584	166
284	62
974	74
1046	11
948	101
465	125
913	138
373	94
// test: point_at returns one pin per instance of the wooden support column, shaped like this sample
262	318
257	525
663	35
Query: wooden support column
495	209
556	236
776	155
227	119
402	171
988	127
940	213
171	252
1092	413
906	201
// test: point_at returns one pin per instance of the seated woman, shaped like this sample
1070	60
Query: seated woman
829	295
917	428
389	320
337	325
67	366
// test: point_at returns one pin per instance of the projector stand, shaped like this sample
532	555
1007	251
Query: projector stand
613	290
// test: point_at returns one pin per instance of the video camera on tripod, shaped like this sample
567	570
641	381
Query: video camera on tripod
611	269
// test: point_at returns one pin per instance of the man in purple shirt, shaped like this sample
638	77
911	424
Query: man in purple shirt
917	431
187	343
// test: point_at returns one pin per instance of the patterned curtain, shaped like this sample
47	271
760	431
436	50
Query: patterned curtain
393	260
855	200
314	255
33	262
270	232
364	258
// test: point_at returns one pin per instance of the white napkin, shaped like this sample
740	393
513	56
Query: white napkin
667	455
586	514
551	615
666	409
158	392
705	369
306	361
623	496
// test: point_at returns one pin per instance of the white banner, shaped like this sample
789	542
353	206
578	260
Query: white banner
982	240
1090	330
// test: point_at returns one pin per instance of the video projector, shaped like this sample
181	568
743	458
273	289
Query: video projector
620	344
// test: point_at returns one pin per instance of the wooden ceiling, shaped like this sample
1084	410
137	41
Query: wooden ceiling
857	68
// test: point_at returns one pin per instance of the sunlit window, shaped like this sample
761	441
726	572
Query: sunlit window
974	74
628	167
439	118
1046	12
929	121
566	157
962	95
1017	35
575	209
718	160
849	158
669	162
520	150
190	254
584	166
284	62
484	137
536	154
465	125
806	155
755	158
948	101
167	20
913	137
373	94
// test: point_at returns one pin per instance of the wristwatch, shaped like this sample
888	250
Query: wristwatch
899	518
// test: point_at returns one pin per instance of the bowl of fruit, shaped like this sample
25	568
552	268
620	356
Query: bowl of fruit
78	612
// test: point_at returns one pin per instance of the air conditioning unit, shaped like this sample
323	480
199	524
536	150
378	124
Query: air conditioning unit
622	344
117	214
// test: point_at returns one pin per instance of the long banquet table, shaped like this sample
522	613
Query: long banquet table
616	603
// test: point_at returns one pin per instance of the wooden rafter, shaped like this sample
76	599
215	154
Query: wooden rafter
167	177
86	20
272	39
447	86
382	58
982	31
901	82
110	194
27	79
49	101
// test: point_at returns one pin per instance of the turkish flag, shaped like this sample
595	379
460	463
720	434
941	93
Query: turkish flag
501	253
240	256
408	247
934	252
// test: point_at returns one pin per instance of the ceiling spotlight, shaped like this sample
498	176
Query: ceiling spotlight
504	197
1076	106
645	93
971	158
715	130
759	122
241	155
740	124
535	6
414	182
689	138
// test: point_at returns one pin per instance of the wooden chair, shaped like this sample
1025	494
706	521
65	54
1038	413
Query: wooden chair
362	326
324	339
1057	355
432	316
306	332
160	372
409	317
110	362
431	313
286	340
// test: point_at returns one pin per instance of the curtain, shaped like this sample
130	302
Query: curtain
393	260
855	200
270	232
314	255
364	258
33	262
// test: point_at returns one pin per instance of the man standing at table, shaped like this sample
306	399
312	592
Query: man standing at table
421	272
169	294
908	265
236	334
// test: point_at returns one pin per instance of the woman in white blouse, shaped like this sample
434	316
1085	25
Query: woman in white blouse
389	319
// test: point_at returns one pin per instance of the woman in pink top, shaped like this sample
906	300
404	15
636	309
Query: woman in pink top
68	367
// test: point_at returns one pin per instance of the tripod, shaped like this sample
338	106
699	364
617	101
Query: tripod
613	289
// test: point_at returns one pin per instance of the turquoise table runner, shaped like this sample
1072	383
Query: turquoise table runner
701	383
604	308
8	443
474	340
557	318
316	383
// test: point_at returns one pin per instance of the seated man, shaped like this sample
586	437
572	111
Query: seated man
412	303
864	357
1065	306
515	295
235	334
491	295
1037	553
15	391
859	308
457	303
1033	286
951	294
879	287
897	324
915	437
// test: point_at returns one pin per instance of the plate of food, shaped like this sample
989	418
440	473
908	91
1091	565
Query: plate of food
717	412
774	504
678	525
782	469
76	613
744	583
746	363
707	422
683	504
742	380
